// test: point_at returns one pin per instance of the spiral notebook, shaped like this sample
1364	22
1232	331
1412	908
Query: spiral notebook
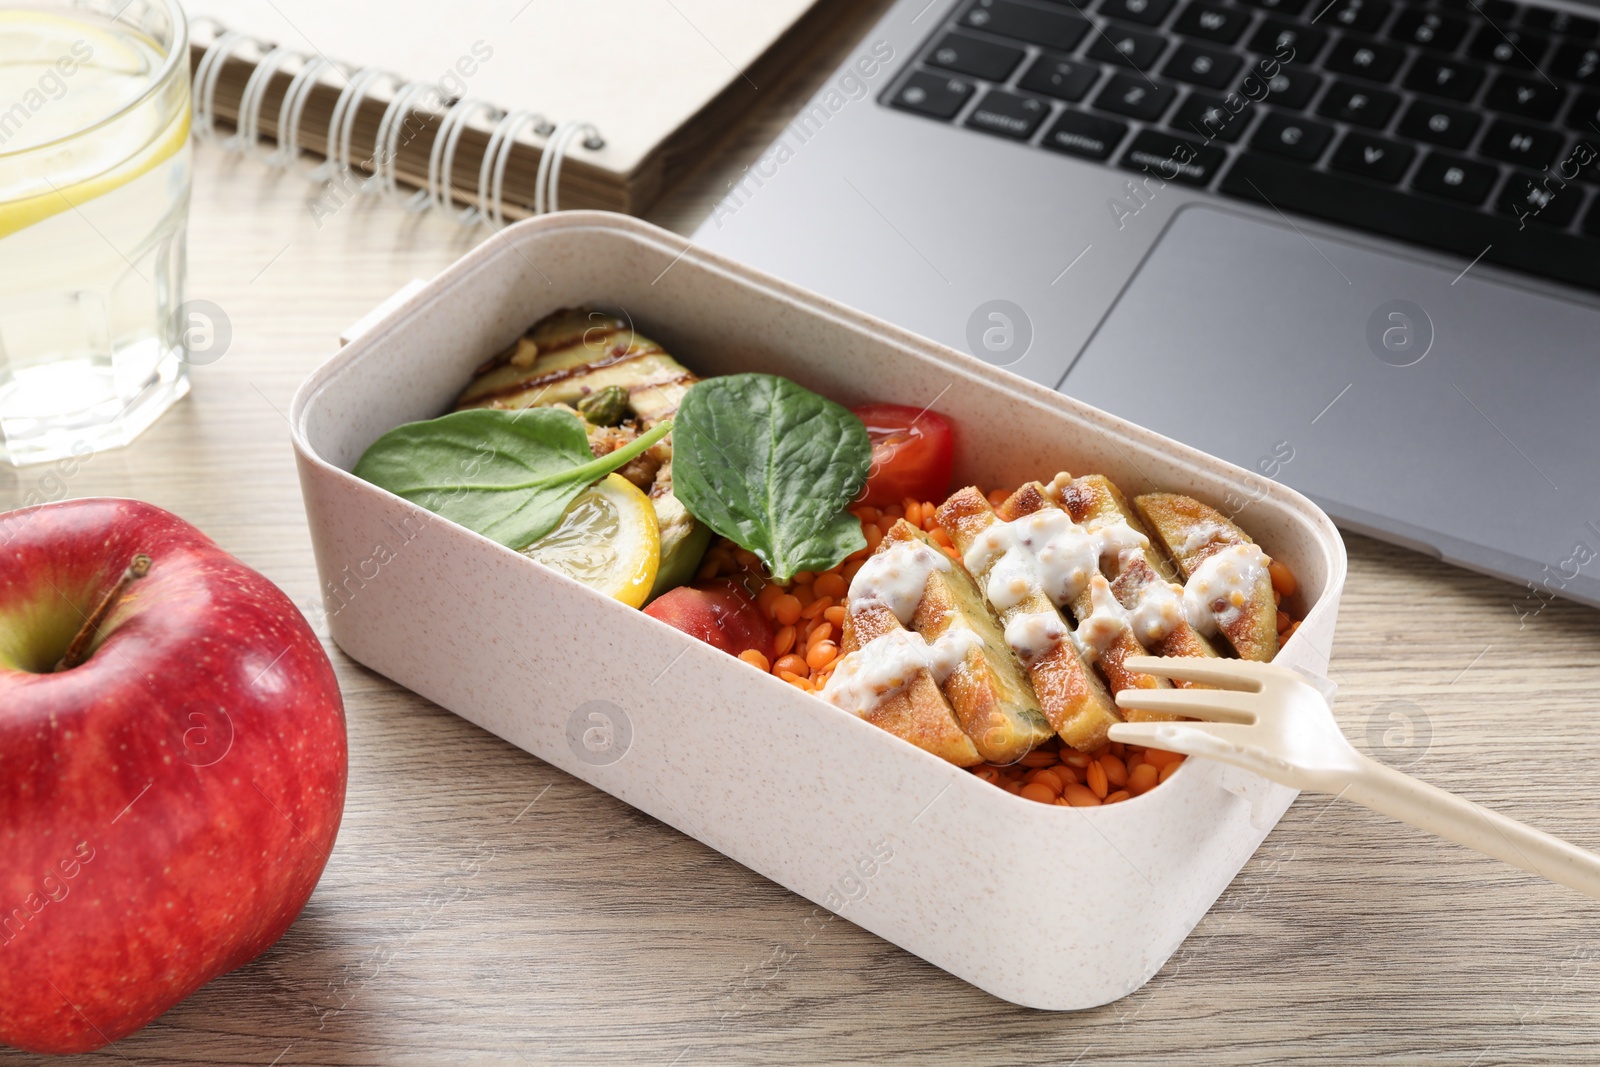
494	107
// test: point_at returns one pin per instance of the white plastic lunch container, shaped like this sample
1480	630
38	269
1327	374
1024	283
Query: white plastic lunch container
1050	907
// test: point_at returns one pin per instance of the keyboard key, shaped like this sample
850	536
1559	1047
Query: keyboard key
1212	23
1089	136
1008	114
1210	118
1449	78
1292	136
1591	221
1584	115
1364	59
1512	142
932	94
965	54
1561	23
1404	215
1539	198
1052	29
1430	29
1288	41
1064	79
1290	88
1131	95
1363	106
1529	96
1587	160
1370	157
1439	124
1173	159
1148	12
1364	16
1455	178
1512	48
1129	48
1280	7
1203	66
1582	160
1576	62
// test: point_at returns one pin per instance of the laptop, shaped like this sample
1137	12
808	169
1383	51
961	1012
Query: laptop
1353	246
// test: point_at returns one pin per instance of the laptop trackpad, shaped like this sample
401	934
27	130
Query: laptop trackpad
1440	409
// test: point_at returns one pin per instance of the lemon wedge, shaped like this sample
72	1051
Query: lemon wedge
608	540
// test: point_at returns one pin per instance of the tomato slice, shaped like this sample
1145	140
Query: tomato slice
913	453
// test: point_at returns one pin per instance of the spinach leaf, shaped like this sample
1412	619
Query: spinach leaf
508	475
771	466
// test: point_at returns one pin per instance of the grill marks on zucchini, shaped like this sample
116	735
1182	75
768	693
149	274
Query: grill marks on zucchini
578	364
574	354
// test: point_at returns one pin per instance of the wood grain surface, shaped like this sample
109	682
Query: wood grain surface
483	907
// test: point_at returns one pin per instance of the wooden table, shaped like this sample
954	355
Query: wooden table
483	907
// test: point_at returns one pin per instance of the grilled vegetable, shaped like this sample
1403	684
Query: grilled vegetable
623	384
990	694
1226	573
1070	694
1095	499
573	353
1102	624
918	712
683	539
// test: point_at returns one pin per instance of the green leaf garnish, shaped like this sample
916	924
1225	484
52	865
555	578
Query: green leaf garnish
772	466
509	475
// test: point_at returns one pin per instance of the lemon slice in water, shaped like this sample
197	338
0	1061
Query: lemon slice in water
608	540
86	115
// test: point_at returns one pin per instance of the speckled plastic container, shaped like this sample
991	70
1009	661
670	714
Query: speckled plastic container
1051	907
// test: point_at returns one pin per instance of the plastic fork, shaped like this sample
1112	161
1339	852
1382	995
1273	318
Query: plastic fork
1269	720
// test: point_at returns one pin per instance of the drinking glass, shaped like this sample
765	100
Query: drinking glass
94	203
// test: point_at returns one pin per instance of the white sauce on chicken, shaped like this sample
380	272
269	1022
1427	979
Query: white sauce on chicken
887	664
1117	539
1033	635
1046	552
896	577
1199	537
1106	620
1159	610
1222	585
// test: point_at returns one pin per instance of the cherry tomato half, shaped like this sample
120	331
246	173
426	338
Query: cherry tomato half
913	453
719	613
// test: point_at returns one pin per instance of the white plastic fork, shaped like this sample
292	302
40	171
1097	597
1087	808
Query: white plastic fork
1269	720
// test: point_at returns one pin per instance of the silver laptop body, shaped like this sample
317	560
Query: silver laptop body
1425	392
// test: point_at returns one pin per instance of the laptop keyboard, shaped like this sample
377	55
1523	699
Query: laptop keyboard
1470	126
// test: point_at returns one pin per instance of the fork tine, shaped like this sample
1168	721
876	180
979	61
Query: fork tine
1215	705
1213	739
1241	675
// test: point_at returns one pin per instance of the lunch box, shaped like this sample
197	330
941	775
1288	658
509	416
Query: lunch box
1046	906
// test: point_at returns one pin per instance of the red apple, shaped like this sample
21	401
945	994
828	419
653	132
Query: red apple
167	805
718	613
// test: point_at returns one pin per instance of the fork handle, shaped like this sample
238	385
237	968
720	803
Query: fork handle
1386	790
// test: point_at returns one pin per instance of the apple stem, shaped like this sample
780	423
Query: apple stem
77	652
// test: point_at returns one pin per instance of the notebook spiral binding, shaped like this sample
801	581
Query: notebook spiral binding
405	98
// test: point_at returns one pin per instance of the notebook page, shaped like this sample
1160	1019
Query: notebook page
637	69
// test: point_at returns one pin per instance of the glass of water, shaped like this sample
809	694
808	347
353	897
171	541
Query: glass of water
94	201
